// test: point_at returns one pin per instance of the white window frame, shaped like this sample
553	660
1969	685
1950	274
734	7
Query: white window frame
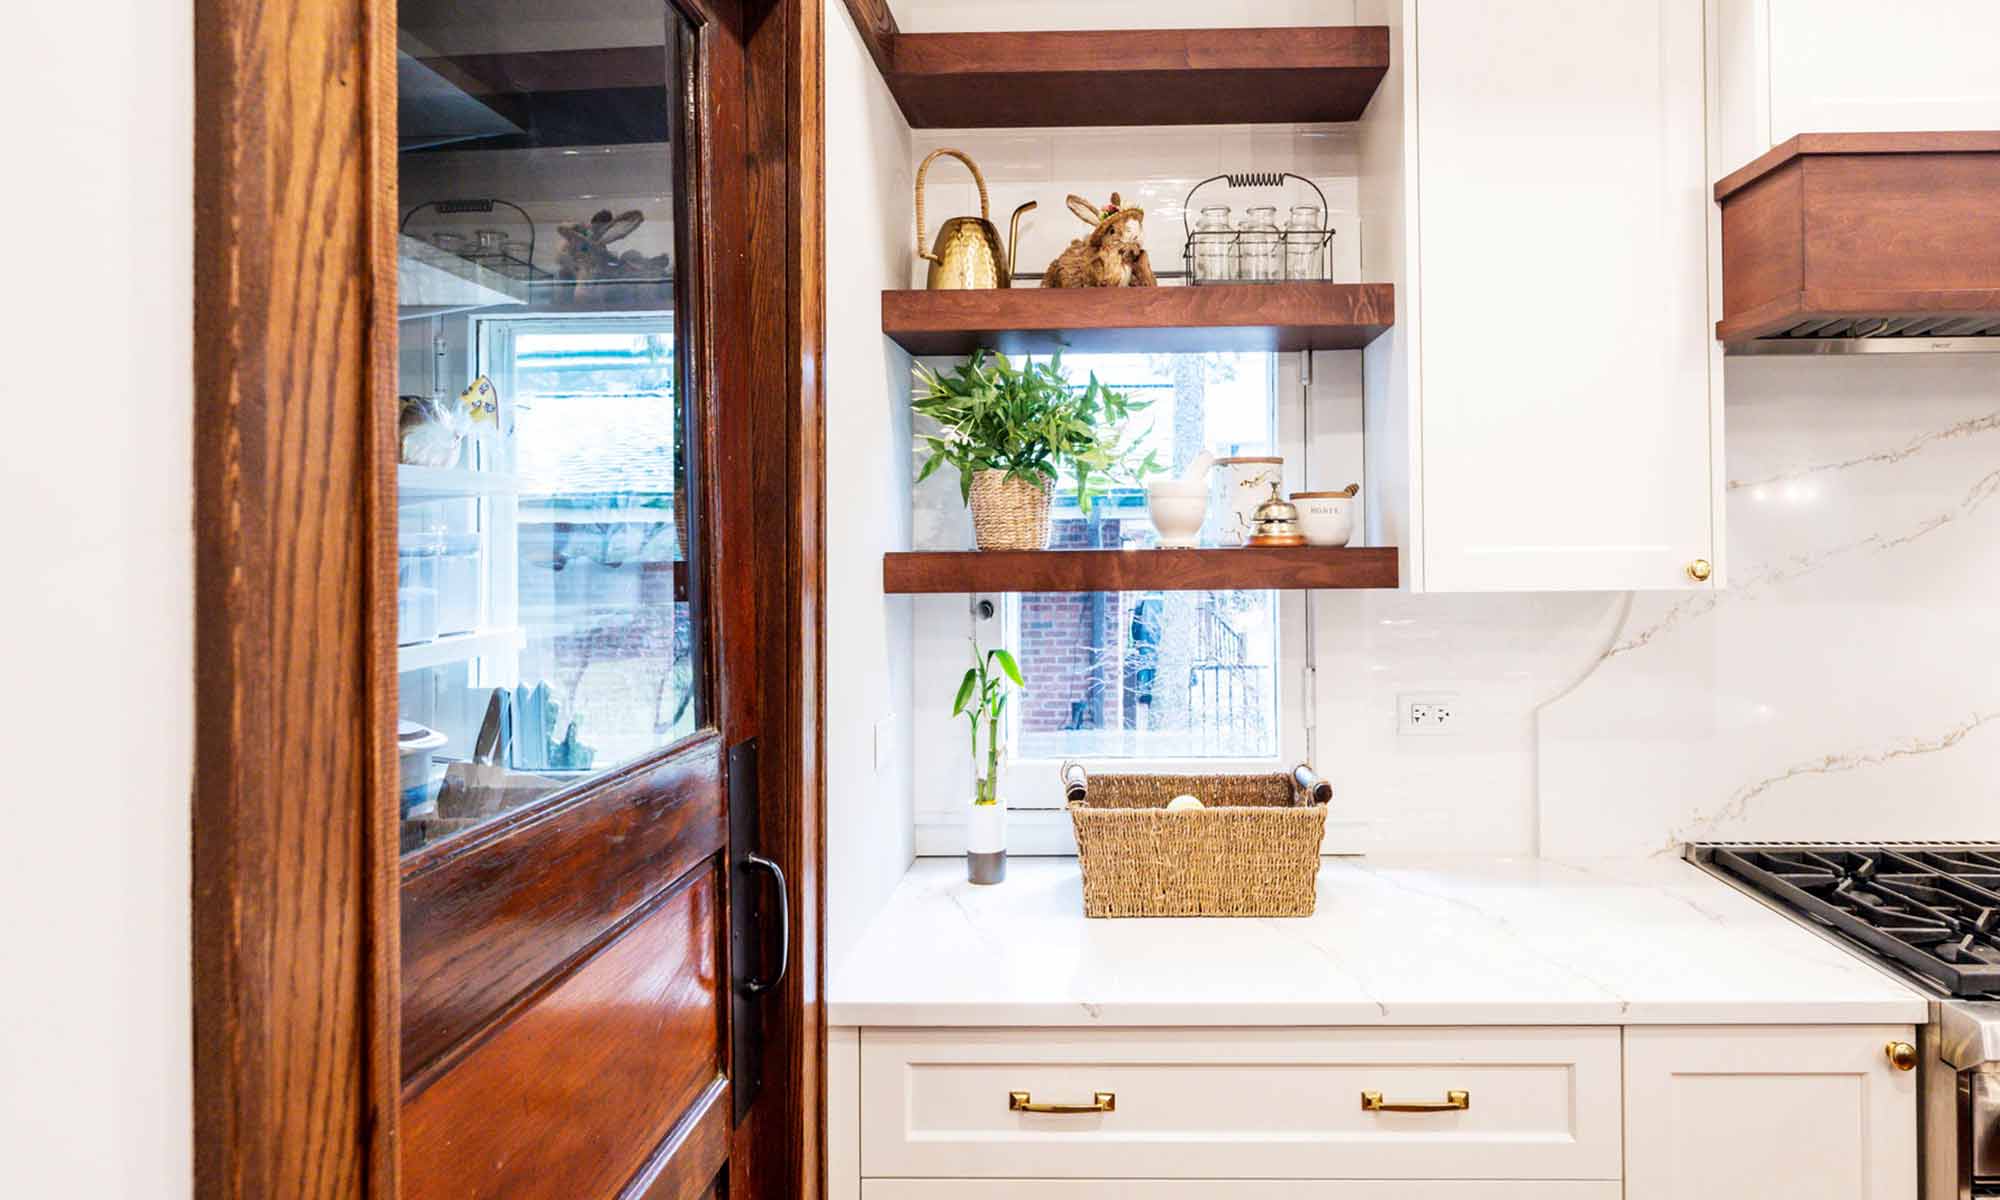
1036	821
492	354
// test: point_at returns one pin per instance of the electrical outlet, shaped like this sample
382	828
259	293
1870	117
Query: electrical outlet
1428	714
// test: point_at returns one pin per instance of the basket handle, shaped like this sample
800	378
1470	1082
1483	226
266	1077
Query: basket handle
1311	786
1076	783
985	211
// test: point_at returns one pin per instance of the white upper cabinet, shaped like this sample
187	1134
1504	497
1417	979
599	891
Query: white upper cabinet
1546	414
1854	66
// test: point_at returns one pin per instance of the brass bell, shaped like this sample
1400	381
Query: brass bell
1276	523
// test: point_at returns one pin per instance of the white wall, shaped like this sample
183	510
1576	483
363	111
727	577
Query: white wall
95	616
869	246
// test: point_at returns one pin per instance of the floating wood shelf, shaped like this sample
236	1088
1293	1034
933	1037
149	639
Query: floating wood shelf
928	573
1239	317
1133	77
1884	236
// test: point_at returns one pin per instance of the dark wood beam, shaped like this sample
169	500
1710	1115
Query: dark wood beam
878	31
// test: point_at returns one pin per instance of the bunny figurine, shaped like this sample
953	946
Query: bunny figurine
1112	255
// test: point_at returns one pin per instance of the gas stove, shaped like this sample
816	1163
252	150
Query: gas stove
1930	913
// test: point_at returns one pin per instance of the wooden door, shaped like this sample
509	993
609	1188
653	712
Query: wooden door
568	969
578	674
1774	1113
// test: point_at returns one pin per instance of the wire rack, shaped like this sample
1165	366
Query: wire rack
1228	242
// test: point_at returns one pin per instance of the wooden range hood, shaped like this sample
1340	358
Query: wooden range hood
1871	240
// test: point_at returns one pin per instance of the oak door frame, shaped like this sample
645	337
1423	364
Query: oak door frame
296	955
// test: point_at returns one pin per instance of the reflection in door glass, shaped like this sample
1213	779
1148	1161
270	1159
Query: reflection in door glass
548	615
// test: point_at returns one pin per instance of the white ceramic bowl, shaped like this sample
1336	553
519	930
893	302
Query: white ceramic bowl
1326	518
1178	509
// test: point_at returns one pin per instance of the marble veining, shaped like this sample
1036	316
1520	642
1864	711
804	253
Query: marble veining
1840	687
1704	825
1395	942
1988	423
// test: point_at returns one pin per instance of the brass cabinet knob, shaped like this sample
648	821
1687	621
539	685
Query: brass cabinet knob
1700	569
1902	1055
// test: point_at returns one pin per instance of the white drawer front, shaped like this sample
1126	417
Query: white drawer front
1233	1189
1241	1104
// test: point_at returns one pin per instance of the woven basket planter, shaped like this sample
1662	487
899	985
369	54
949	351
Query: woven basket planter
1251	851
1009	514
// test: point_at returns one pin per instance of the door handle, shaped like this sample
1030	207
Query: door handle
1453	1101
757	987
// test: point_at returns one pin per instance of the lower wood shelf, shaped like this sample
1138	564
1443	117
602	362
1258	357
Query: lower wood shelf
1233	569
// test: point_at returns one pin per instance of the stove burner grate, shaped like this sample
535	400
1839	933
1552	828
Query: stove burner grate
1935	909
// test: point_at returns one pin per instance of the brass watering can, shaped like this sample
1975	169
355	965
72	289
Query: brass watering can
968	255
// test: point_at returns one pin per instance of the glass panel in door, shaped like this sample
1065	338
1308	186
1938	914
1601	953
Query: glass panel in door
549	618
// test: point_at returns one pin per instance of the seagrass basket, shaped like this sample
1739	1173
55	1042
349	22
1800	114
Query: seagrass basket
1009	514
1252	850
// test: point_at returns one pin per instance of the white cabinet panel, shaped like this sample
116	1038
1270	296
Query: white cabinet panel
1855	66
1231	1104
1569	363
1770	1113
1230	1189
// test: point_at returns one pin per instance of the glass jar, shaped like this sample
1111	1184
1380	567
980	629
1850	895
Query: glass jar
1257	246
1305	244
1213	243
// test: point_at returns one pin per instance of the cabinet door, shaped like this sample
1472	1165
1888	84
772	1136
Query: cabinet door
1571	381
1776	1114
1838	66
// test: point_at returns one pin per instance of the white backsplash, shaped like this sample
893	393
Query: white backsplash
1846	684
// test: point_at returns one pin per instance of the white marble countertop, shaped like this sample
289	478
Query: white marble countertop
1395	942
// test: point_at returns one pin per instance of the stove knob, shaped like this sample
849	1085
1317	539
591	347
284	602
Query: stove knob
1902	1055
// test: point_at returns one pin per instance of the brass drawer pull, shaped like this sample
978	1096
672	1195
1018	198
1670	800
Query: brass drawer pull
1453	1101
1100	1102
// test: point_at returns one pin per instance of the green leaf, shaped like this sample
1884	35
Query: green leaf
964	692
1008	665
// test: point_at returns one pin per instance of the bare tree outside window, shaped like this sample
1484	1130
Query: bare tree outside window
1156	674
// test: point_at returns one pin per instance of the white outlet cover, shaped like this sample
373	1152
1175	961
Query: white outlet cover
1428	714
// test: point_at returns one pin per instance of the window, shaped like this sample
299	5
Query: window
1154	675
563	630
1140	681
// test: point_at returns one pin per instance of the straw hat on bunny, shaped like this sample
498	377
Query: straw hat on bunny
1112	255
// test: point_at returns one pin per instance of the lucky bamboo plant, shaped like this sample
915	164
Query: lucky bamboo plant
1031	423
982	696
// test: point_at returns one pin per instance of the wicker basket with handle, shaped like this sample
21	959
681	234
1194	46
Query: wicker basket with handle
1252	850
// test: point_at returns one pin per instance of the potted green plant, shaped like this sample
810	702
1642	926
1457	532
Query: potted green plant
1013	431
982	698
